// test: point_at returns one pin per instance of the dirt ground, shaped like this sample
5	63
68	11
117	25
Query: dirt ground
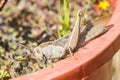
116	66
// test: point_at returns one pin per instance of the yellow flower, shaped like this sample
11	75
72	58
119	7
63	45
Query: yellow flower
104	4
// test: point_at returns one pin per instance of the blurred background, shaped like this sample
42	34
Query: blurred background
25	24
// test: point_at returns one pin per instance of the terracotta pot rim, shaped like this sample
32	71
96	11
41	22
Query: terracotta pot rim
89	58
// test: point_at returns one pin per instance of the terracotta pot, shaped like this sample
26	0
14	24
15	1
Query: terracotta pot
93	61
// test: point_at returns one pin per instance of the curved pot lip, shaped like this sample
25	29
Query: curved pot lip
89	58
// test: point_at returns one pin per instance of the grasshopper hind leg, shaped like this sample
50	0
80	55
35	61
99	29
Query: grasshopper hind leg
71	53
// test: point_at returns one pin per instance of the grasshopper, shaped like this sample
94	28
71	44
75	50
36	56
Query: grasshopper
52	50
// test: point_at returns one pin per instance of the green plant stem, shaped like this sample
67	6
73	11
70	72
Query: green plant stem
64	18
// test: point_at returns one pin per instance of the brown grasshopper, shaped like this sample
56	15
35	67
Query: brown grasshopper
52	50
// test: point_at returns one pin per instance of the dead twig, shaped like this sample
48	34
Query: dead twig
2	4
